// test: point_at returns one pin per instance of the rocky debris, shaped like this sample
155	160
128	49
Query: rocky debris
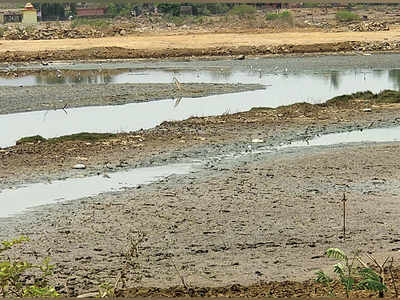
63	32
319	24
369	26
49	33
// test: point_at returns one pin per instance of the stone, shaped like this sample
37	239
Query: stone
89	295
257	141
79	167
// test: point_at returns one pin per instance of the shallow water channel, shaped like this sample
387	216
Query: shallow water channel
18	200
285	84
14	201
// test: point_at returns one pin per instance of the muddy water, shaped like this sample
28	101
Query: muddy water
288	81
14	201
284	85
360	136
121	118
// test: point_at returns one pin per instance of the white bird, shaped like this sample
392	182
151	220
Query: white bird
177	83
59	73
177	101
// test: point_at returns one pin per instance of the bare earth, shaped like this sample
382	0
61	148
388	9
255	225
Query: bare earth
151	42
251	42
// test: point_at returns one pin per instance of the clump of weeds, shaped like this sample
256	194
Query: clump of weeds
21	278
353	273
130	266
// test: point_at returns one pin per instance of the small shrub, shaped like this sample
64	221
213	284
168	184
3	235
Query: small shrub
2	31
346	16
97	23
172	9
218	8
274	16
199	20
284	16
13	274
177	20
310	5
243	10
352	273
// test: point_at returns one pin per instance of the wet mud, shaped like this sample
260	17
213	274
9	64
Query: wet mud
18	99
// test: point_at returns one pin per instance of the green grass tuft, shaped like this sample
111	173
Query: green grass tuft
346	16
243	10
83	136
278	16
96	23
386	96
282	17
31	139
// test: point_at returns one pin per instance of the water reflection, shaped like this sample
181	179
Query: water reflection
334	79
361	79
394	76
14	201
391	134
80	77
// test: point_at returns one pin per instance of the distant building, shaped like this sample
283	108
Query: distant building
29	15
90	12
10	16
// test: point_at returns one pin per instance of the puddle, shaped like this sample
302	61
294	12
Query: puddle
14	201
391	134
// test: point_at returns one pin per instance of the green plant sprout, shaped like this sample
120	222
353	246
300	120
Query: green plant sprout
13	274
353	274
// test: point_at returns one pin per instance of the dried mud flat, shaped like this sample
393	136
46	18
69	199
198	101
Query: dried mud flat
261	217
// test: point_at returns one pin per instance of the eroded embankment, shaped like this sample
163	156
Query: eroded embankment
257	50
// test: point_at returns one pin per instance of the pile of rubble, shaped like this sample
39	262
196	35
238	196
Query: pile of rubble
369	26
53	33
